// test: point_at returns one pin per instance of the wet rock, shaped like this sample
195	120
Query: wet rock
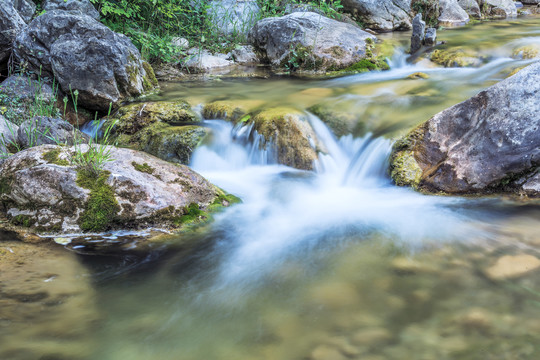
311	41
289	135
498	8
245	55
78	7
25	8
230	110
418	75
85	57
452	14
471	7
326	352
340	122
476	320
418	33
46	299
334	295
527	52
42	191
202	61
431	37
11	24
511	267
487	144
168	72
371	337
385	15
455	57
233	17
42	130
408	266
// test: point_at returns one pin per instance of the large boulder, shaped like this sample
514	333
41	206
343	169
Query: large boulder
41	130
452	14
42	191
11	24
79	7
311	41
471	7
383	15
498	8
487	144
25	8
233	17
85	57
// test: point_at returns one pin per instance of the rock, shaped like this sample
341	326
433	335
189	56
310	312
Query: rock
327	352
233	17
77	7
512	267
339	121
168	72
41	191
487	144
371	336
180	42
527	52
452	14
85	56
25	8
383	15
230	110
288	134
203	61
42	130
418	33
11	24
455	57
47	299
245	55
8	135
498	8
476	320
530	2
23	97
301	8
471	7
311	41
431	37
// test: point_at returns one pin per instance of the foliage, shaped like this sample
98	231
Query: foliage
429	10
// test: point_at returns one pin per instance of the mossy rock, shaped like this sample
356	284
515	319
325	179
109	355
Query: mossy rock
287	131
418	75
365	65
455	58
527	52
230	110
171	143
404	168
340	122
132	118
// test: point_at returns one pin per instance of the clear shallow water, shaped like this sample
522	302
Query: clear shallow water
335	264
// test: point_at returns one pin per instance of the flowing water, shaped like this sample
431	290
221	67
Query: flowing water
333	264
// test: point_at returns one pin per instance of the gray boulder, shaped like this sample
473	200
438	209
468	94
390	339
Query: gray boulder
452	14
42	130
135	190
487	144
430	38
202	61
84	56
79	7
315	41
498	8
8	135
471	7
233	16
25	8
418	33
383	15
11	24
245	55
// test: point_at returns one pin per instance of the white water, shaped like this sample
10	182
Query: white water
287	213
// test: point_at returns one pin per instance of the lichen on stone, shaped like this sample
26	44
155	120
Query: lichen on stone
144	168
52	157
454	58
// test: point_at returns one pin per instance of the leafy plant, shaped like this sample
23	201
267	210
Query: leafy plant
429	9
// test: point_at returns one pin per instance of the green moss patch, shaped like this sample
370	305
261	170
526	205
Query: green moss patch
145	168
102	208
52	157
23	220
366	65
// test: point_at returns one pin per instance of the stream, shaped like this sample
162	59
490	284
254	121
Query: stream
337	263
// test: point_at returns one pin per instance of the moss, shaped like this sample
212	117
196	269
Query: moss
101	209
526	52
230	110
145	168
133	73
192	214
5	185
340	122
52	157
404	169
149	81
222	201
366	65
418	75
23	220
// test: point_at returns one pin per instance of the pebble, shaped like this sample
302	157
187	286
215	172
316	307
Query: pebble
512	267
326	352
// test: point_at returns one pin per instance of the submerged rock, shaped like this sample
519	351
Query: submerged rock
77	7
309	41
43	192
487	144
511	267
455	57
84	56
383	15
